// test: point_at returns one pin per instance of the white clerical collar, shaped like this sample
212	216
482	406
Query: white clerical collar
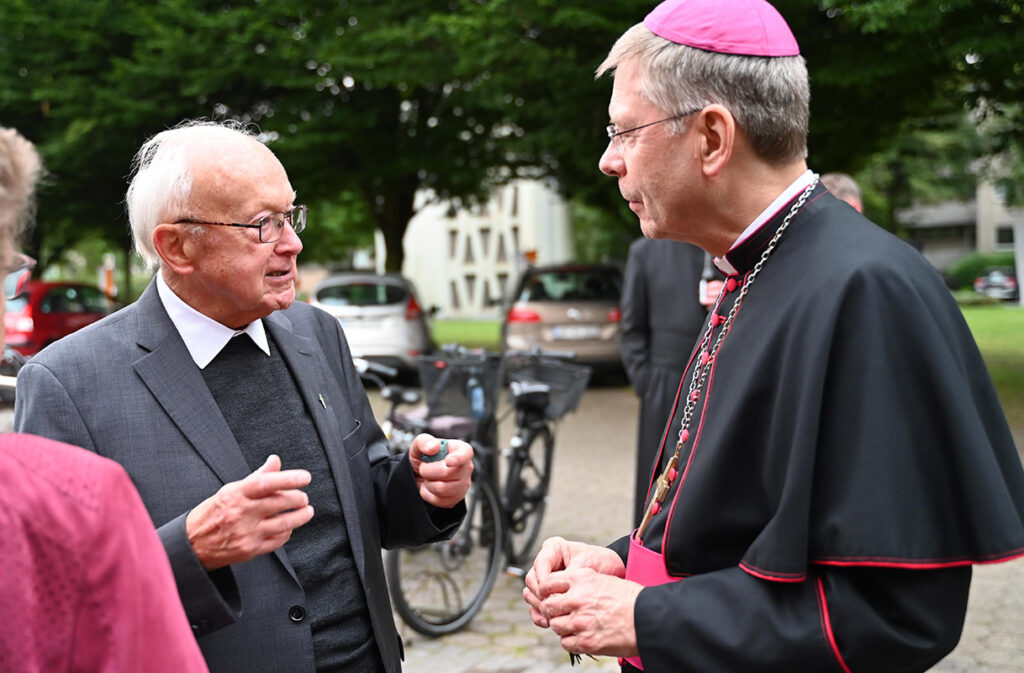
203	336
768	213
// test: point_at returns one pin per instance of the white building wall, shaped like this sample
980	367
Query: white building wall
990	215
459	260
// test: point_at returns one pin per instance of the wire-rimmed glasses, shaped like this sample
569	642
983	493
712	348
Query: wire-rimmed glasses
270	226
616	136
17	274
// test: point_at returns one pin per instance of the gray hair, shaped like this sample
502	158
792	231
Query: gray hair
161	180
841	185
768	97
20	170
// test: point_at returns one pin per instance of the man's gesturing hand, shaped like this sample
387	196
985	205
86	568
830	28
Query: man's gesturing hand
247	518
444	482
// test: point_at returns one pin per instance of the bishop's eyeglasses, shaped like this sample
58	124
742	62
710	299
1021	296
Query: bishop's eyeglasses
618	137
270	226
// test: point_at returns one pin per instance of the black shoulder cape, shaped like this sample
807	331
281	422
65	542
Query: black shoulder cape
848	418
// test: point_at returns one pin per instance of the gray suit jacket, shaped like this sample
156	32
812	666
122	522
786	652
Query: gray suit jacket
126	388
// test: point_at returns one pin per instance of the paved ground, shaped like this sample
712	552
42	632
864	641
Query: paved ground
590	501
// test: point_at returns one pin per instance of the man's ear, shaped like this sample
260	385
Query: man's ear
716	128
176	248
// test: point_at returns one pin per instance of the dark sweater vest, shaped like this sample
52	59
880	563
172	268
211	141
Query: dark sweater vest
262	405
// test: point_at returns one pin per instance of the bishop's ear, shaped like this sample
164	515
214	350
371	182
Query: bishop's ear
716	129
176	247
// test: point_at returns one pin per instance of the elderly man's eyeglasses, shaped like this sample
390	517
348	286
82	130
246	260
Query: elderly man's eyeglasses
16	276
617	137
270	226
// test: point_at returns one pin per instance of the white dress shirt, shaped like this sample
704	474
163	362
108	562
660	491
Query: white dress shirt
203	336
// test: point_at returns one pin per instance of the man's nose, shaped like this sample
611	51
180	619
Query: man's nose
611	162
289	243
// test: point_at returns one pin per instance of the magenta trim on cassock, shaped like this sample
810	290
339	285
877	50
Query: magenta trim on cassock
647	567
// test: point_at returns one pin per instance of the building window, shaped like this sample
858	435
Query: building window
503	284
470	287
455	294
485	241
1004	236
468	258
502	255
453	241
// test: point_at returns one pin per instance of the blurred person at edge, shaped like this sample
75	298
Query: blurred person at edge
842	458
240	417
85	582
663	309
843	187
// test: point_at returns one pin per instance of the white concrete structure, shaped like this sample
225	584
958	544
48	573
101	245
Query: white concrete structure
948	231
459	259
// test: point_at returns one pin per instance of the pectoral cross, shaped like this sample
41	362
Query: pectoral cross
660	492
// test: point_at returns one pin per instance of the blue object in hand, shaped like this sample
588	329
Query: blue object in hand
440	455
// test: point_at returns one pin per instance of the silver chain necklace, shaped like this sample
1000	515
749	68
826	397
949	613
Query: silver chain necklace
706	359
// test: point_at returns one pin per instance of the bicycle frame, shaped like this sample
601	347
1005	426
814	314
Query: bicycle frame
503	517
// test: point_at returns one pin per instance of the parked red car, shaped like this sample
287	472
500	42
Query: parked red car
45	312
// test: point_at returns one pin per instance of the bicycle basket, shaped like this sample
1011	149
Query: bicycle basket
446	380
566	381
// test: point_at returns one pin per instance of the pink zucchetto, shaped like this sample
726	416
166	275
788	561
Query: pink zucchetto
742	27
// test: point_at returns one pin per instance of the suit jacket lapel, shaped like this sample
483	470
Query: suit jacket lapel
330	414
181	390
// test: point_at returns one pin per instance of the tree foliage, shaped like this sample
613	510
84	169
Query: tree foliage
370	103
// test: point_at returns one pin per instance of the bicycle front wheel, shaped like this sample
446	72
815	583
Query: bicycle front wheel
438	588
526	492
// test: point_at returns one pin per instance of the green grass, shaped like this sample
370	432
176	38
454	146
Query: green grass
999	331
469	333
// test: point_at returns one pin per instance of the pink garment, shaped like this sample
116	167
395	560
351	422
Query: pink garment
742	27
85	583
647	567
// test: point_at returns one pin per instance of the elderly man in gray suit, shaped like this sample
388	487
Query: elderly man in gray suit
239	416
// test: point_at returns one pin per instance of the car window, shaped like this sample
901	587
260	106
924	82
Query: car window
60	300
73	299
361	294
92	300
574	285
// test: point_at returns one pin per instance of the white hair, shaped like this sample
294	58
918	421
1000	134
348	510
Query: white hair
20	170
842	186
161	180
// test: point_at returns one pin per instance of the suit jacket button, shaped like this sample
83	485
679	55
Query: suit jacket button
296	613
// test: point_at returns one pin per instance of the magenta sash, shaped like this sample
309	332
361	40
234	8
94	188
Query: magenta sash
647	567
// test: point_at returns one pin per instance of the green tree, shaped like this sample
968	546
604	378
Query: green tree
369	104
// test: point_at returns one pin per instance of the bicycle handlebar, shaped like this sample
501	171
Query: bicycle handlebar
364	366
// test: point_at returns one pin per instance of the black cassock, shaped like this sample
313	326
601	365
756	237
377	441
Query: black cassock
661	318
849	460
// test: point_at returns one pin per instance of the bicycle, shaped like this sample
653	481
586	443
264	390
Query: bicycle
438	588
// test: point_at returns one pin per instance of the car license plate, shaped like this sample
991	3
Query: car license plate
575	332
359	323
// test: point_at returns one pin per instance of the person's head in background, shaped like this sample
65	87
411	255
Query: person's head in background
843	187
20	168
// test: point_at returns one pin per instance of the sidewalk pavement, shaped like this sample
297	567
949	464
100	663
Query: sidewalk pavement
591	501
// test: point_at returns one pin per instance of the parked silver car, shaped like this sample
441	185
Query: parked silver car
1000	283
381	315
567	307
